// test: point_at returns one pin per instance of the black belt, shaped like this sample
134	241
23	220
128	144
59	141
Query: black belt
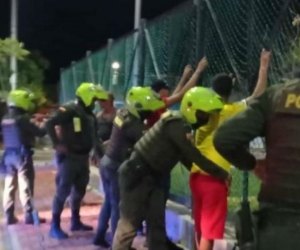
22	150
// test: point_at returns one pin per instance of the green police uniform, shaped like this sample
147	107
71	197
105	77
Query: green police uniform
155	154
276	116
79	136
19	138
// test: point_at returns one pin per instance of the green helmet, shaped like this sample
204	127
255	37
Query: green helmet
22	99
200	99
88	93
143	99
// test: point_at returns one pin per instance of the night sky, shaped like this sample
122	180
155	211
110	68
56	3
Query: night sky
63	30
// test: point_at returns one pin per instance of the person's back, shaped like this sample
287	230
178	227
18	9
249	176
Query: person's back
205	145
18	138
76	125
276	116
127	129
281	184
162	154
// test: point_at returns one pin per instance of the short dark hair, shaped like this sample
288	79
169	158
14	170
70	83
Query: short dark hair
158	85
222	84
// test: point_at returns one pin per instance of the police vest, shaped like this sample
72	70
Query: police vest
78	134
282	178
155	148
120	145
11	133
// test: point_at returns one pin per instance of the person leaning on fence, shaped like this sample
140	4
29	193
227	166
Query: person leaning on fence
19	137
154	156
209	194
274	115
78	136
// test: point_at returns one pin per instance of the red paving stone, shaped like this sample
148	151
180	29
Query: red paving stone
24	237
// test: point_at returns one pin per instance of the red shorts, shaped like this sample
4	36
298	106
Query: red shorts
209	205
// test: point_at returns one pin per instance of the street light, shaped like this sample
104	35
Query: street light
115	65
115	68
14	34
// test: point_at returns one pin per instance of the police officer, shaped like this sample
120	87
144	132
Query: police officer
128	128
275	115
78	136
154	155
19	137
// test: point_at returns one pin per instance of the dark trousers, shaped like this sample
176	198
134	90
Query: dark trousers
141	198
110	207
19	175
72	179
166	186
277	231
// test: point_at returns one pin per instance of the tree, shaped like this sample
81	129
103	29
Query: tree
31	74
31	68
9	47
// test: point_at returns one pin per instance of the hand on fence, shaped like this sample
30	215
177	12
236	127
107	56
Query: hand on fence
265	57
202	64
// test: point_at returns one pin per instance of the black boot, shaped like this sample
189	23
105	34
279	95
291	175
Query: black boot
76	224
10	219
55	230
101	242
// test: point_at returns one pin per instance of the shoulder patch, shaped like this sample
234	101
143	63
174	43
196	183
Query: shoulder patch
118	121
166	114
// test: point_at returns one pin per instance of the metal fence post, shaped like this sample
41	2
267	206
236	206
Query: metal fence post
141	53
74	73
62	96
109	61
90	65
201	18
152	53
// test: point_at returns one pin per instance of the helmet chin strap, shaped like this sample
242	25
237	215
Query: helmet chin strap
81	103
200	123
145	114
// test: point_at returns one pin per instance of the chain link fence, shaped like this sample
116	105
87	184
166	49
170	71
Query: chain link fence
235	31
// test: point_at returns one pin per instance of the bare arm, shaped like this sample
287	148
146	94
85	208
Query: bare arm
262	82
188	71
175	98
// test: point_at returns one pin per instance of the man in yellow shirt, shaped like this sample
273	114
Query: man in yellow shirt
209	193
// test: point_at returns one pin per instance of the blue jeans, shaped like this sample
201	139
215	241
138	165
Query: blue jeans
110	207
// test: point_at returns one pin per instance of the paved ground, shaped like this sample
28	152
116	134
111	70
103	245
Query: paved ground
23	237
